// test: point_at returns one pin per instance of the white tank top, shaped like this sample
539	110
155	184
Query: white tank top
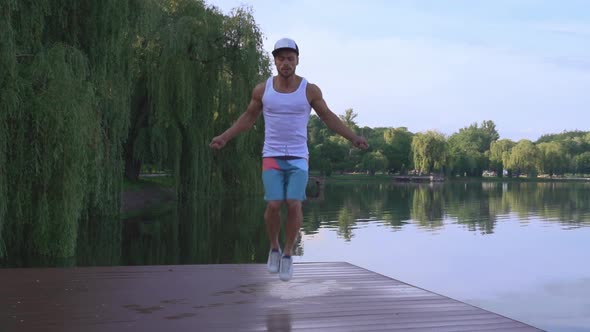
285	120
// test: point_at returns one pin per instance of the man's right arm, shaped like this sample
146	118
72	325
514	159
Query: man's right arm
245	121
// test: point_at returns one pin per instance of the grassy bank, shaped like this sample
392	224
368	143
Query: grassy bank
380	178
150	195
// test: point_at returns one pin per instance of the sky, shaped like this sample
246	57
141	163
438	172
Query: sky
441	65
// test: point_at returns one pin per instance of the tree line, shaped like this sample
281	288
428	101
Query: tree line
471	151
91	90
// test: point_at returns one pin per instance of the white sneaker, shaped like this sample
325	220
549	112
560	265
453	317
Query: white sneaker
274	261
286	270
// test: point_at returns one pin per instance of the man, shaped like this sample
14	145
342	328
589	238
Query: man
285	101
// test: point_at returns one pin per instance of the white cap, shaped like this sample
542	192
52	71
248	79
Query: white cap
285	43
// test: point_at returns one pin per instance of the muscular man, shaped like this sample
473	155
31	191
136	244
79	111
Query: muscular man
285	101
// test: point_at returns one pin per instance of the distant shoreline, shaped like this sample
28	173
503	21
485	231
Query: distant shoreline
335	178
147	195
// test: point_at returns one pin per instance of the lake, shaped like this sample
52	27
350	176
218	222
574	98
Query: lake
519	249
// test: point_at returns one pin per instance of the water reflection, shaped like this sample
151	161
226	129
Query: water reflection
346	218
231	230
209	233
513	248
427	207
98	243
477	205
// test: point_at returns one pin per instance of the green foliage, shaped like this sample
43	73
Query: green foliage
47	153
582	163
348	119
70	71
331	152
67	104
499	154
429	151
464	155
328	156
398	148
317	131
375	136
573	142
9	102
59	131
553	158
197	69
374	162
468	147
566	135
525	157
489	134
427	207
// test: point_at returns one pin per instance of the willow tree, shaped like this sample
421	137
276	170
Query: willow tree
429	151
525	157
105	37
68	71
8	103
553	159
201	68
245	65
66	99
499	154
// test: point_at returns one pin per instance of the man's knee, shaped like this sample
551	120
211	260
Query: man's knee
273	207
293	206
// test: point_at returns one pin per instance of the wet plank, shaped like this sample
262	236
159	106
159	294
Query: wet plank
321	297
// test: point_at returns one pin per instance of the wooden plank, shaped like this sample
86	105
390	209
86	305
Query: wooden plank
332	296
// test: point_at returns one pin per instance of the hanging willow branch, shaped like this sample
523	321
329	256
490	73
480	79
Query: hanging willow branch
65	120
87	86
9	101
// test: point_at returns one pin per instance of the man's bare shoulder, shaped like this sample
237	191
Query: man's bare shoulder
313	92
258	91
311	87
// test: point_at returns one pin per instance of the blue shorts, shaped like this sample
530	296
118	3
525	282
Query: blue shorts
284	179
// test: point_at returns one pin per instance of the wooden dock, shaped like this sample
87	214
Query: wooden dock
321	297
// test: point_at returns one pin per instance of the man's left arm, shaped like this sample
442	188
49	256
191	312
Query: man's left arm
332	120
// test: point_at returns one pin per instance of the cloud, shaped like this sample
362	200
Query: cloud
573	29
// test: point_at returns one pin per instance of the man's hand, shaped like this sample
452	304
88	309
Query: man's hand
360	142
217	143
